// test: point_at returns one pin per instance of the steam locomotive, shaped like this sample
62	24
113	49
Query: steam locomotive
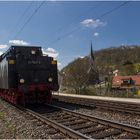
27	76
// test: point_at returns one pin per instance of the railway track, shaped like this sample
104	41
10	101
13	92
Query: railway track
55	130
133	108
77	125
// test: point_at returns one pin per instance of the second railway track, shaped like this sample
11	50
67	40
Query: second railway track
78	125
120	106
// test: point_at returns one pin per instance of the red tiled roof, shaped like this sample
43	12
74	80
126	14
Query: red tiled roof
117	80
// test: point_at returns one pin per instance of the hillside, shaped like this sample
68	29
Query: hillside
124	58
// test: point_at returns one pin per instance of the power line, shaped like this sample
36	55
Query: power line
63	36
24	13
114	9
101	16
66	25
29	19
19	20
89	10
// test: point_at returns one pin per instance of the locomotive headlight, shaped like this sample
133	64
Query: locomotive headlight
21	81
50	79
32	51
53	62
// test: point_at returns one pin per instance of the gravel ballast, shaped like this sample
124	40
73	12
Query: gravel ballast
15	124
125	118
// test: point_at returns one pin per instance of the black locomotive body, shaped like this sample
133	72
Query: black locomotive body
26	76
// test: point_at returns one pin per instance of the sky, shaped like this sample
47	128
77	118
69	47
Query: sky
65	29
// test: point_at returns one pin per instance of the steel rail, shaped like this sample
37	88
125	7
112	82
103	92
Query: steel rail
129	128
109	105
62	128
73	132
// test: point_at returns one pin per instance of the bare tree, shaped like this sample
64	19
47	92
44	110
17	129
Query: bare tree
76	75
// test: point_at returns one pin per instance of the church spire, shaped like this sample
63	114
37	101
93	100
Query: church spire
91	53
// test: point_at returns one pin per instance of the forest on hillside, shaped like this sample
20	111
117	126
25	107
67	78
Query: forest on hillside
124	58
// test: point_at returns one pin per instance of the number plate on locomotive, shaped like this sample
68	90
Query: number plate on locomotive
34	62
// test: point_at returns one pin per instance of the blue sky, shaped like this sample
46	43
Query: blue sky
66	29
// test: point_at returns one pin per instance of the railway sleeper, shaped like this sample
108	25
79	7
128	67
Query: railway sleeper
105	134
119	108
60	117
49	115
129	136
74	122
65	120
82	126
52	132
93	129
58	137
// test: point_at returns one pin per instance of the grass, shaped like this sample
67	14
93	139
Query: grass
2	115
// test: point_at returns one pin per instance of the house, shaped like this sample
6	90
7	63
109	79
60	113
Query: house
125	82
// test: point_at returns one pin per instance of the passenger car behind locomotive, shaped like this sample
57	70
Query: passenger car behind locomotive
27	76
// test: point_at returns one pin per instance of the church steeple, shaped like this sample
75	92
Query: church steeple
91	53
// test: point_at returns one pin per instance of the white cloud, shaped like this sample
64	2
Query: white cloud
18	42
81	57
1	53
3	46
93	23
59	64
50	52
96	34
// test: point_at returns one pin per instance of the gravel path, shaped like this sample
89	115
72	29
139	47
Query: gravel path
14	124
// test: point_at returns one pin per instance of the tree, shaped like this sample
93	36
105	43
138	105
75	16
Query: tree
76	75
128	68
